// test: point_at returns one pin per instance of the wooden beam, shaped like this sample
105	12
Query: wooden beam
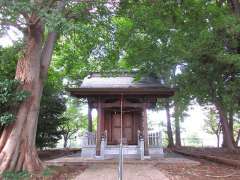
126	104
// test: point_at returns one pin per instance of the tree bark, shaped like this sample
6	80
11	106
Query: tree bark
238	138
218	140
177	128
65	138
17	143
230	123
169	126
226	131
235	6
178	133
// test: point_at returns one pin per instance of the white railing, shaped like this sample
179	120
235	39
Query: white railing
88	139
91	138
155	139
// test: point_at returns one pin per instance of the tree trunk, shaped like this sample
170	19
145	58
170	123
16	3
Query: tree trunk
65	138
238	138
177	128
169	126
226	131
17	143
235	6
218	140
230	118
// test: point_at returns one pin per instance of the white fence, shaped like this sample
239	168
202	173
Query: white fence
155	139
88	139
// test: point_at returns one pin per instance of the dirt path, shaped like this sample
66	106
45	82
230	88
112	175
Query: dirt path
131	172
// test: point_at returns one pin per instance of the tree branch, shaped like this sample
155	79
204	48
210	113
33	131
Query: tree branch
47	52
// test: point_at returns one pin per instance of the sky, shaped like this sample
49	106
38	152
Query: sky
12	35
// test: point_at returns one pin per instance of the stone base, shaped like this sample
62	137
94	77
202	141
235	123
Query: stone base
89	151
147	157
99	157
128	151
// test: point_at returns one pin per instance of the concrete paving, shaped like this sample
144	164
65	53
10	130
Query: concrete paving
130	172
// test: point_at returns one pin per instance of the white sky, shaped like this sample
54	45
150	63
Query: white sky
12	35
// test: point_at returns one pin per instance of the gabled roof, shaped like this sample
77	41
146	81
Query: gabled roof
96	84
123	81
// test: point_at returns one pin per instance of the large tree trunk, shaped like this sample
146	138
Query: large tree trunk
218	144
17	143
226	131
169	126
238	138
230	123
235	6
178	133
65	138
177	128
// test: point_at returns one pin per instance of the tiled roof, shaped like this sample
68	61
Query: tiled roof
125	81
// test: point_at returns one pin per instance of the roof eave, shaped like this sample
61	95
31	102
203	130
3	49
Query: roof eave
87	92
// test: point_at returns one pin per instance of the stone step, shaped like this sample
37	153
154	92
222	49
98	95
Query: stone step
126	150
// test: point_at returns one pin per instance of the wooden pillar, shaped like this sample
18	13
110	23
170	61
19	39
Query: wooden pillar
90	128
99	121
145	130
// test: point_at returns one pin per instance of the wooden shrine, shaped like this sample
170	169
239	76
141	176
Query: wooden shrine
106	95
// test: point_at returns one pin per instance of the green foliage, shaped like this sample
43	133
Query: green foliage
193	140
10	97
211	123
47	172
21	175
73	120
8	61
6	119
52	107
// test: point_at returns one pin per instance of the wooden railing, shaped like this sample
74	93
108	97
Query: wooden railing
155	139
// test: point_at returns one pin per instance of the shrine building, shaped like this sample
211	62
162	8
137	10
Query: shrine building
121	103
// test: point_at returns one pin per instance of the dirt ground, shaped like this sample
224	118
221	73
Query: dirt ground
219	152
205	171
56	153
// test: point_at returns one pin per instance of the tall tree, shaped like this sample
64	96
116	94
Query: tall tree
169	125
50	116
40	22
